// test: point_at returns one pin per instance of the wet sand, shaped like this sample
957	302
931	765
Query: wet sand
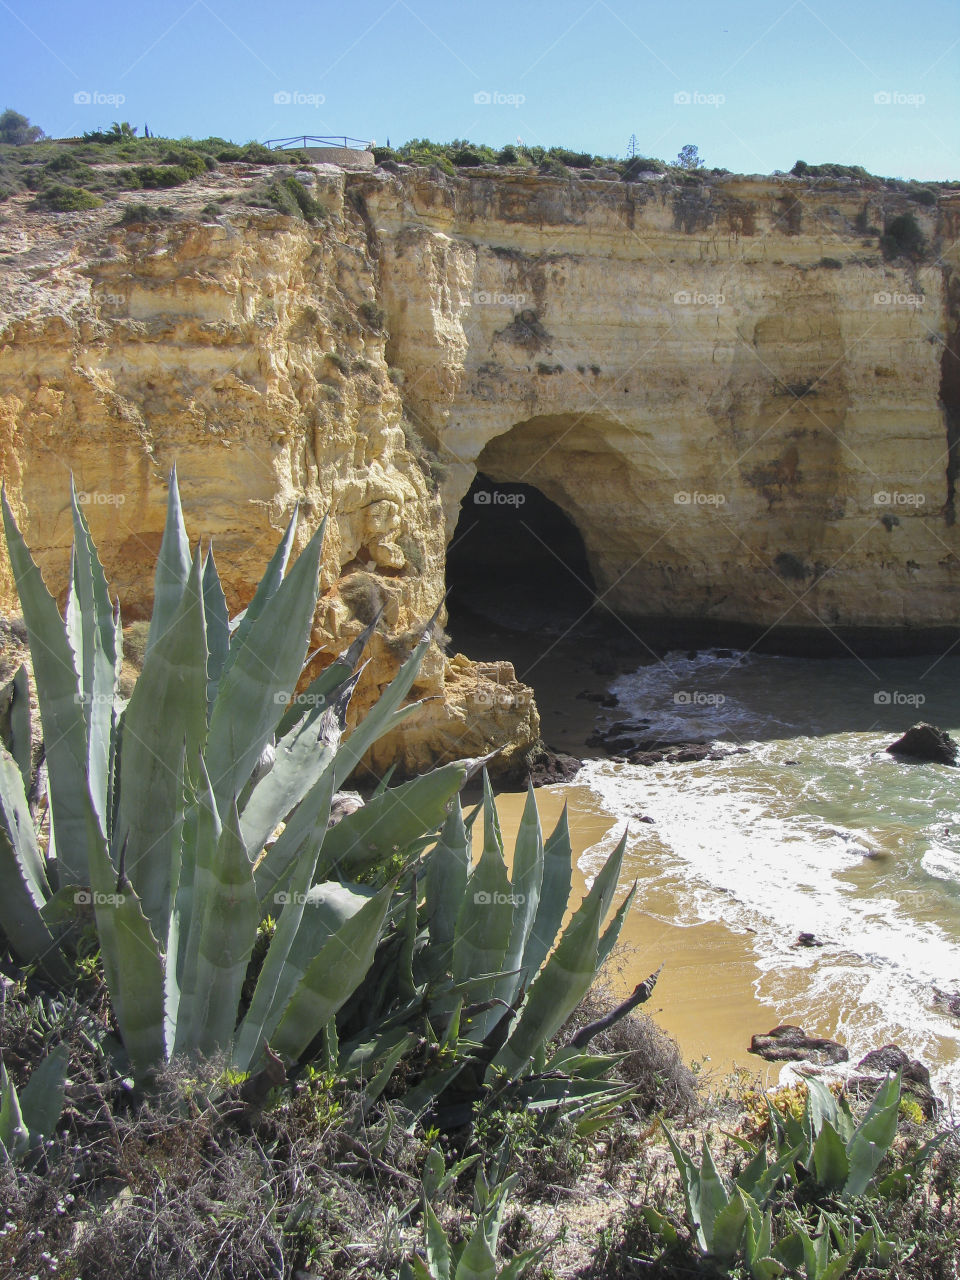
704	996
707	995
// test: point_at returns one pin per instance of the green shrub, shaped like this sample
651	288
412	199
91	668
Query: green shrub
68	199
573	159
831	264
508	155
924	196
803	170
902	238
554	168
291	197
466	158
150	177
134	213
641	164
190	161
372	316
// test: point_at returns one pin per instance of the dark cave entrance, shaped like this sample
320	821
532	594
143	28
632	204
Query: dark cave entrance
516	563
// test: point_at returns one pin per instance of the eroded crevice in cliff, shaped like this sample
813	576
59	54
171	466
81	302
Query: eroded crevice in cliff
950	395
516	561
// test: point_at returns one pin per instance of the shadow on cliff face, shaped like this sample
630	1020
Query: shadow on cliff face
517	562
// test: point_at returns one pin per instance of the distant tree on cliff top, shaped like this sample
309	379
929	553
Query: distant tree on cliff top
689	157
17	130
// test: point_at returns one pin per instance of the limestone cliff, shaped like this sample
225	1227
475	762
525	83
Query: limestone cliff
745	409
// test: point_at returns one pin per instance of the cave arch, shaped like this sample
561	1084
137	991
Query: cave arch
517	561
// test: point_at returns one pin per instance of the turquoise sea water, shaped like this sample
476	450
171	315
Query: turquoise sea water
814	828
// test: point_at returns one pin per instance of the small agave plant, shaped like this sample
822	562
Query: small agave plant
161	810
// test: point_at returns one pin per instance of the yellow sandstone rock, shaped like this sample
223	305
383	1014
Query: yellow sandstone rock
724	384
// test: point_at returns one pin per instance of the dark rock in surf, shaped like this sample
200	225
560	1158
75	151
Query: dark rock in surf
788	1043
603	699
807	940
551	767
926	742
888	1060
678	753
949	1000
891	1058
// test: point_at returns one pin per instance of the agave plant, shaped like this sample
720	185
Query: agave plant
474	959
29	1118
162	808
840	1154
475	1257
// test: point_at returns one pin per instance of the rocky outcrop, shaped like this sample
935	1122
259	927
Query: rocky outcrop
886	1061
788	1043
739	403
925	742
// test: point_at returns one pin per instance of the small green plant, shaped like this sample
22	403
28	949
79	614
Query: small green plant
475	1257
59	199
29	1118
911	1111
151	176
902	238
339	362
137	213
290	196
717	1211
838	1153
372	316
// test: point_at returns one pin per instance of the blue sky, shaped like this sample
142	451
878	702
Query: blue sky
755	85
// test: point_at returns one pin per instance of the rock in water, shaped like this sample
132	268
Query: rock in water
926	742
890	1059
787	1043
915	1078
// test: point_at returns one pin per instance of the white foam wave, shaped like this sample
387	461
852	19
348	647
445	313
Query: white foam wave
736	854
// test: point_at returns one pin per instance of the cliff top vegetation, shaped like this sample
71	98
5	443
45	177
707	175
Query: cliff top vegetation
63	175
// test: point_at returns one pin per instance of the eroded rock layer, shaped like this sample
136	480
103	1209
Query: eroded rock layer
744	407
